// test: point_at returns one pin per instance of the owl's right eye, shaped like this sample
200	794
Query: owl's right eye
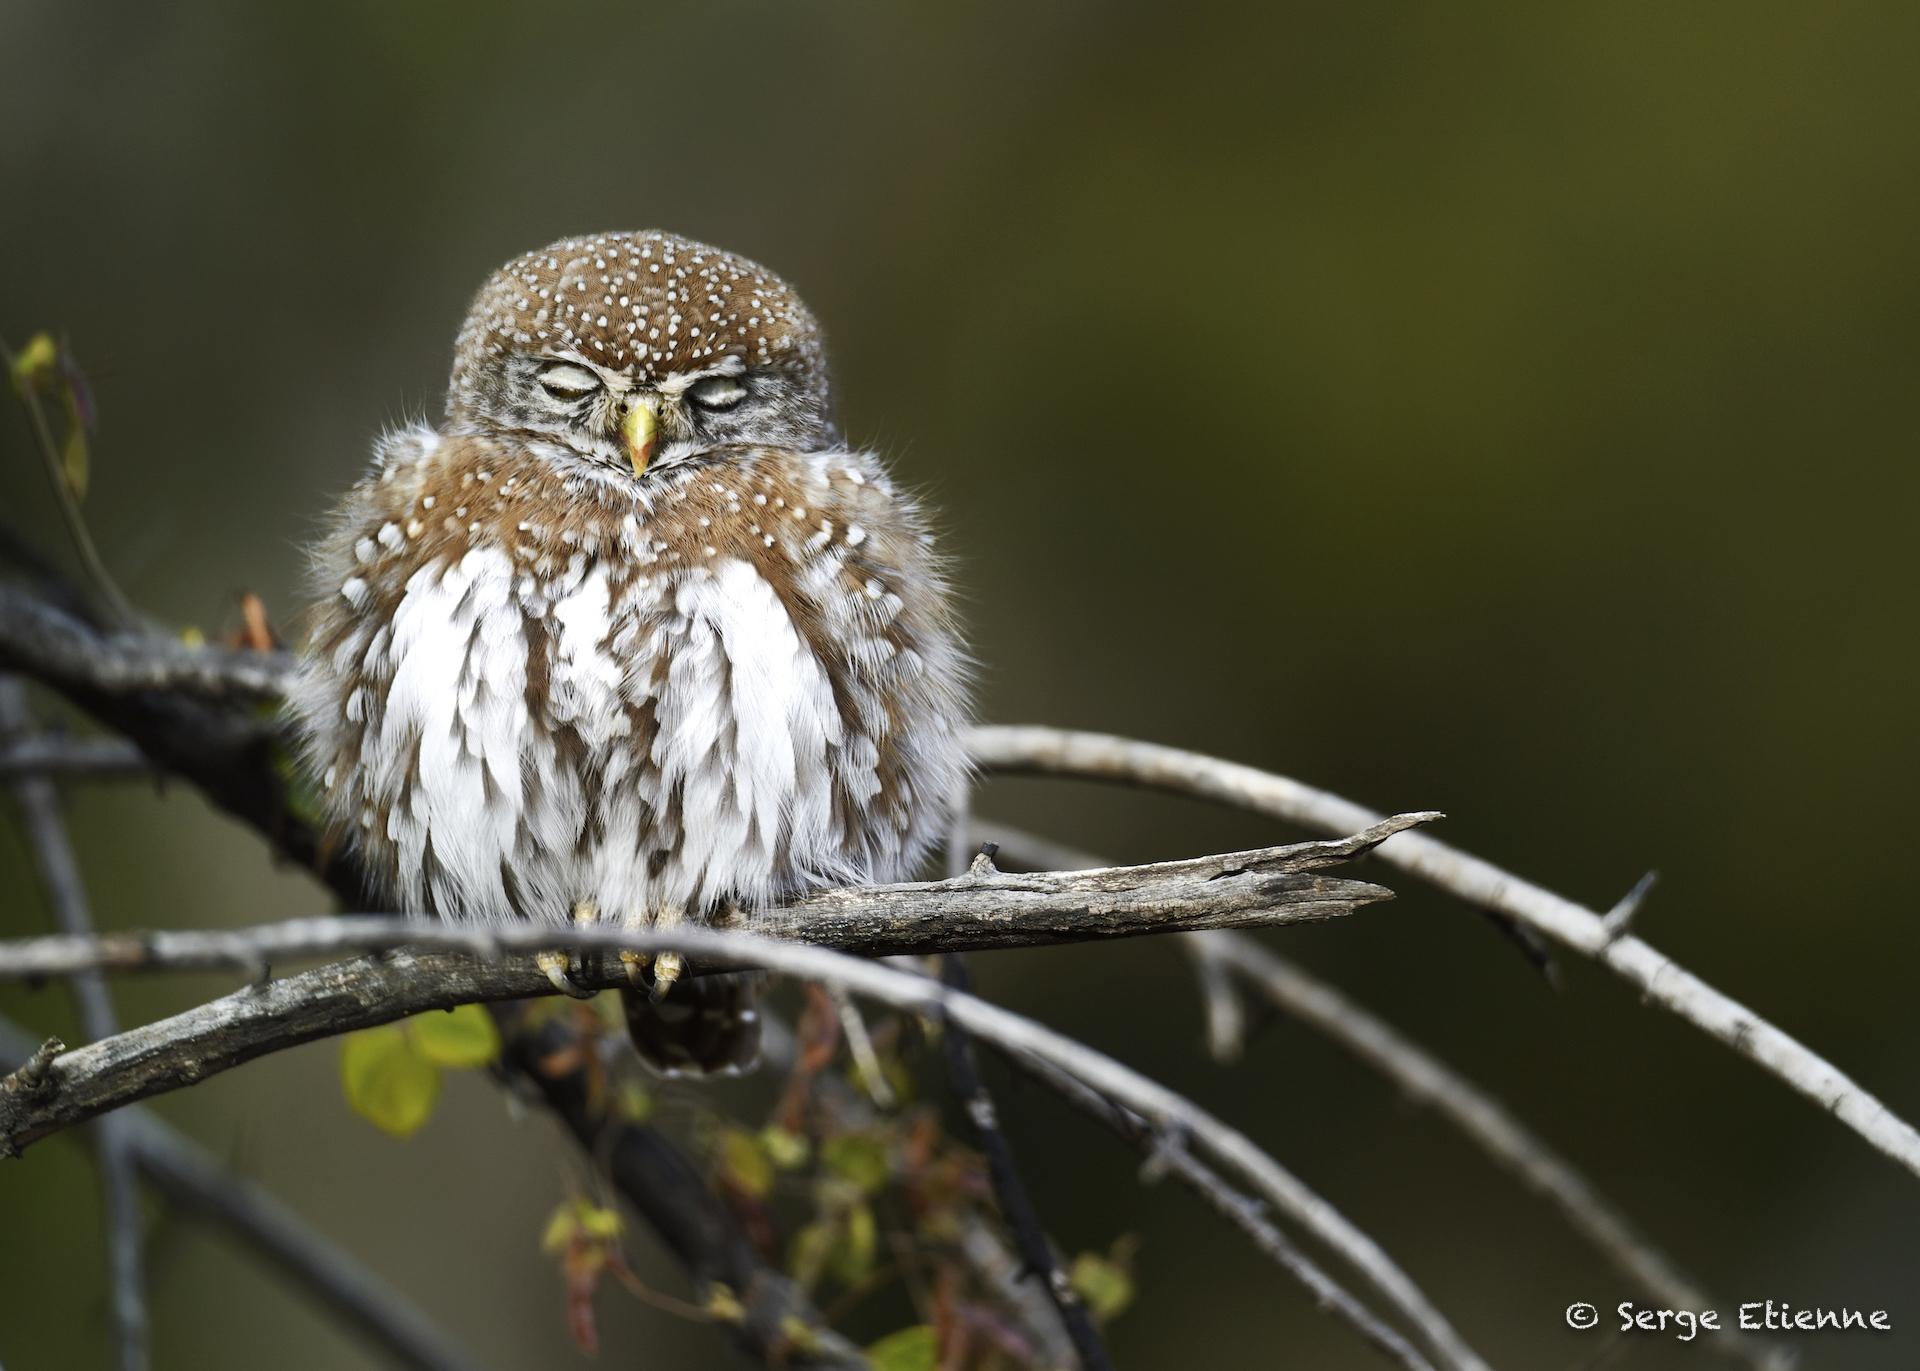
568	383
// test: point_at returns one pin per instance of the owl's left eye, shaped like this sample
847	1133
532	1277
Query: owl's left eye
717	392
568	383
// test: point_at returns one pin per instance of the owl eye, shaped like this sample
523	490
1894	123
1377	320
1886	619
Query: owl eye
567	383
717	392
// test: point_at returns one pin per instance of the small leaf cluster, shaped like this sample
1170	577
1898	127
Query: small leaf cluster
391	1074
851	1184
46	368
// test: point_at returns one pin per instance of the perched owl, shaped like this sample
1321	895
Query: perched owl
633	635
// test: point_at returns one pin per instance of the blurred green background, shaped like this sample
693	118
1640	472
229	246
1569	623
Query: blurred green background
1507	410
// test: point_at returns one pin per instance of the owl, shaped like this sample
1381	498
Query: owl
633	636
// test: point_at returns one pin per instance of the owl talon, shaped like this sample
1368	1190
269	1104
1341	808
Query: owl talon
636	964
666	970
557	965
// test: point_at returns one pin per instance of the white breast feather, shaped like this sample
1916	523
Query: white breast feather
744	726
458	693
734	799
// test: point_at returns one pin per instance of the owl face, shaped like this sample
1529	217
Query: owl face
630	354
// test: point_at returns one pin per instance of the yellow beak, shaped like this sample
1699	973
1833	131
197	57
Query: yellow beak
641	427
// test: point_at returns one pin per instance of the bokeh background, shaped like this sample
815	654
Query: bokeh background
1500	409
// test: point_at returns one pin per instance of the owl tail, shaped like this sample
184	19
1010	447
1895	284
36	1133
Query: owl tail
707	1026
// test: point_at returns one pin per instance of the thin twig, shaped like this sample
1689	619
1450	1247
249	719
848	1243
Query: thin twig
54	755
35	1071
195	1181
66	892
1427	1081
1066	752
54	645
1010	1190
866	1061
980	1240
542	1056
344	996
1165	1154
1009	1187
1223	957
64	497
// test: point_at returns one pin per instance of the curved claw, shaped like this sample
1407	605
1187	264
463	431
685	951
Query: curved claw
557	965
666	970
636	964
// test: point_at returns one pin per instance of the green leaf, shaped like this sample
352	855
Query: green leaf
745	1164
911	1349
788	1150
858	1157
463	1036
579	1222
561	1227
1104	1285
859	1239
633	1103
596	1221
722	1304
75	459
387	1081
798	1335
36	363
807	1253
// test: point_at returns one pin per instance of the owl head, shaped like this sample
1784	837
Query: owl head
633	353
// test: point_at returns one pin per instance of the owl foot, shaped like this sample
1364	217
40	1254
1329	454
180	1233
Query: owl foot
558	965
667	968
571	964
636	964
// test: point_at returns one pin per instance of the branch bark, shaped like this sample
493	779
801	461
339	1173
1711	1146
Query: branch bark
66	892
216	740
1429	1082
105	673
358	994
50	755
1010	1188
1164	1152
198	1184
433	966
1097	756
1225	959
984	909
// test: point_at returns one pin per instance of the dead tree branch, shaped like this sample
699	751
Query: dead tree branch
1066	752
1224	959
436	965
1429	1082
343	996
66	892
97	671
58	646
1010	1189
1163	1152
982	910
50	755
223	747
199	1185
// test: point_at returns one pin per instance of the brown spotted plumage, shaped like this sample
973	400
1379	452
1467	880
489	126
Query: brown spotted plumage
632	635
